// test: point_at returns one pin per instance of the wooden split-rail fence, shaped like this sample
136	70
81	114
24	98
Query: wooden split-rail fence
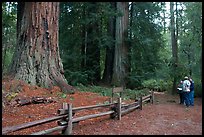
65	119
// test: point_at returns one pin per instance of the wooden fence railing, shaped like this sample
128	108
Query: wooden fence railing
65	117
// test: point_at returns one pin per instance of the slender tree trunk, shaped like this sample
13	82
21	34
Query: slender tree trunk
174	48
108	71
4	49
164	13
93	50
36	59
120	68
84	43
130	44
201	67
20	11
189	60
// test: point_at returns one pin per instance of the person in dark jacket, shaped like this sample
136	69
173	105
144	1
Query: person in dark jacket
180	92
191	94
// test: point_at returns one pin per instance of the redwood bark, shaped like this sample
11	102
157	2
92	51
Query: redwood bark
108	71
36	59
120	69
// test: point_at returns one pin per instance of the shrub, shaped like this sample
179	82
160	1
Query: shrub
76	77
197	88
159	84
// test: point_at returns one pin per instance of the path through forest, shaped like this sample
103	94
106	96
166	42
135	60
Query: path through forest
165	117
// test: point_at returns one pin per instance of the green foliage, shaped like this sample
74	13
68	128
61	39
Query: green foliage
197	87
8	59
159	84
134	81
71	98
147	37
9	16
150	50
164	85
76	19
151	84
77	77
61	95
103	91
191	43
11	96
135	94
191	40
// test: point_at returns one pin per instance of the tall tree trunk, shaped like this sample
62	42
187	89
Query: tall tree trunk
36	59
120	68
201	67
84	43
174	48
189	59
20	12
108	71
4	49
93	50
164	18
130	43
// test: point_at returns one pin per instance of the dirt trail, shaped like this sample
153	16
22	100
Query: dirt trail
165	117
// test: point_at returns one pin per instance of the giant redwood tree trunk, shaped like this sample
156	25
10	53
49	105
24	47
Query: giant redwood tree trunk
120	69
36	59
108	71
174	48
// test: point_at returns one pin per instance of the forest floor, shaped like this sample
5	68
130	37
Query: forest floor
165	117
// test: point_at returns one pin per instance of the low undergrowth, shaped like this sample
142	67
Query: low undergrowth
104	91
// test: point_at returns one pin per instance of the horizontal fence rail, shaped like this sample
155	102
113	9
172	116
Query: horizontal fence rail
145	97
129	109
48	131
65	115
64	111
92	116
31	124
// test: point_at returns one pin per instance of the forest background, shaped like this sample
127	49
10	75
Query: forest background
161	43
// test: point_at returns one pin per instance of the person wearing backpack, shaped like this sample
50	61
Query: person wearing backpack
186	91
180	92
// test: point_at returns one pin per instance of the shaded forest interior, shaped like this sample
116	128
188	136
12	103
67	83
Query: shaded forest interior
136	45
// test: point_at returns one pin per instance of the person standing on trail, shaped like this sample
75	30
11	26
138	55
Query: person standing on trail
186	91
180	92
191	94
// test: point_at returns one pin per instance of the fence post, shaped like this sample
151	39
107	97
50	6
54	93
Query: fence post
112	95
114	108
68	130
111	100
64	106
141	102
152	96
120	94
119	109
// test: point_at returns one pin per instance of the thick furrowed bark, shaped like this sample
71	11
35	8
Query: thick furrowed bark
36	59
120	69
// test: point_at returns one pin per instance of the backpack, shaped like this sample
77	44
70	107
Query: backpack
186	86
